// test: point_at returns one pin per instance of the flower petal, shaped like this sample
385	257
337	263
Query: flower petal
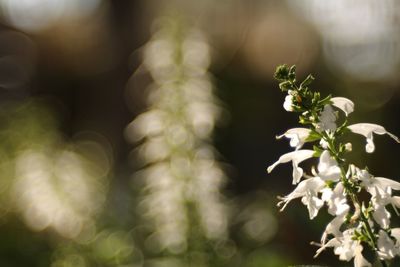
328	168
386	246
344	104
288	104
384	183
359	260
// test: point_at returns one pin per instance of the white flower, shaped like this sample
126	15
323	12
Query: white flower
344	104
327	119
386	247
296	157
367	130
346	248
328	168
297	136
336	200
288	104
308	190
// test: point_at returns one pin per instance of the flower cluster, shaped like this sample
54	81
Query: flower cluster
358	222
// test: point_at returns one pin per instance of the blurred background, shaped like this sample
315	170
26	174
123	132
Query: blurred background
138	133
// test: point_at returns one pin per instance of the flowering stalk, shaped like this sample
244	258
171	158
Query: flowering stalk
181	176
357	224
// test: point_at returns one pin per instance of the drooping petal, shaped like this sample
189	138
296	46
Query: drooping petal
367	130
333	228
296	157
297	136
344	104
359	260
384	183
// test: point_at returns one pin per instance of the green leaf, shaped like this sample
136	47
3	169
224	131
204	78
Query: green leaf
318	151
326	100
343	128
282	73
314	136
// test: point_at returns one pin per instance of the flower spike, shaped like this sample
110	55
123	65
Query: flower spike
356	225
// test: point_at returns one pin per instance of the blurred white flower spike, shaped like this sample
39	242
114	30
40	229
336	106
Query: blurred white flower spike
180	175
357	225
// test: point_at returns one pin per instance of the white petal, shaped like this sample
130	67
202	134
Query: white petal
395	232
359	260
382	216
297	173
297	156
384	183
344	104
395	201
333	227
370	146
366	128
386	246
313	203
288	104
328	168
